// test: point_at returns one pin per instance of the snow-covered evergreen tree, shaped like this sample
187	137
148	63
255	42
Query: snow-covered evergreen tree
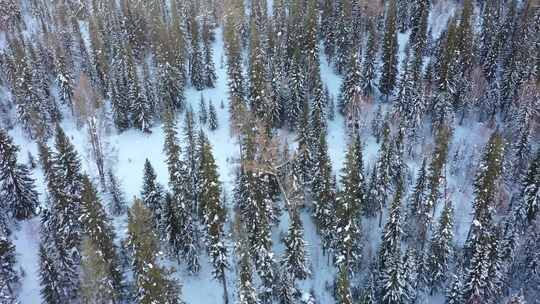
17	189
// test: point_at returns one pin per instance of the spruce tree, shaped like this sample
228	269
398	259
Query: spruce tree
295	259
393	284
350	202
454	291
153	281
387	80
531	191
99	247
9	278
440	250
17	189
209	69
389	252
196	59
185	237
246	290
350	92
152	193
367	75
324	194
51	288
203	112
213	213
117	203
212	117
343	289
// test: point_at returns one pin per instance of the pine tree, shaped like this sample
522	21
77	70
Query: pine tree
350	92
440	250
203	113
485	184
483	273
246	291
234	61
369	293
153	282
295	259
324	195
212	118
117	203
454	292
152	193
51	291
196	60
17	190
393	289
288	292
63	225
350	202
367	75
257	82
343	290
213	212
9	277
417	207
531	191
389	52
98	248
209	69
184	238
96	287
389	252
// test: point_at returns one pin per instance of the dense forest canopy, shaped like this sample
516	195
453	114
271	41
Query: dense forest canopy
269	151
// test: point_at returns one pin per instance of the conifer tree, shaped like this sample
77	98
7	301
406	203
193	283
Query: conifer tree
324	195
117	203
98	248
440	250
212	117
209	69
343	289
51	291
288	292
417	206
152	193
393	289
153	281
485	184
257	83
483	272
213	212
389	253
367	75
350	201
9	278
389	52
246	290
17	190
234	60
184	238
63	223
350	92
531	191
96	286
454	292
295	259
203	113
196	60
